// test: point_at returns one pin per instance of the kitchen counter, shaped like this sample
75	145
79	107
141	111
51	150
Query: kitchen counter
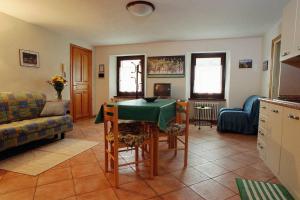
289	104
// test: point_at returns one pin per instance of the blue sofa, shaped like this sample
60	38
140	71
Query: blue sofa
240	120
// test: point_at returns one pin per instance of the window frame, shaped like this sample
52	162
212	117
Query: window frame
207	96
131	94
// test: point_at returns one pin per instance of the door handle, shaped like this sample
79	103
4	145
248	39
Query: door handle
275	111
261	133
286	53
293	117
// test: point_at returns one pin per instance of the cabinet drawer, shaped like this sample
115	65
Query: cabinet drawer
261	147
262	133
263	121
263	108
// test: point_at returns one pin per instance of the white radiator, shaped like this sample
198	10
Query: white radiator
206	114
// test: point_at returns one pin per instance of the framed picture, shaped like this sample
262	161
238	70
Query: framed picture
166	66
101	71
245	63
29	58
265	65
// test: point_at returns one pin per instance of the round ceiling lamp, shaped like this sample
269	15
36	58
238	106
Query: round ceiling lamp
140	8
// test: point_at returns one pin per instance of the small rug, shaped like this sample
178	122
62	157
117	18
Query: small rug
41	159
256	190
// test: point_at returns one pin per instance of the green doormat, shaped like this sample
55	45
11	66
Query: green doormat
256	190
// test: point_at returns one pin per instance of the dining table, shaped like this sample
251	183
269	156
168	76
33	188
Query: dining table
158	114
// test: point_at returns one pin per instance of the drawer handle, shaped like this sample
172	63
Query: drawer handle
262	120
264	107
275	111
293	117
286	53
260	146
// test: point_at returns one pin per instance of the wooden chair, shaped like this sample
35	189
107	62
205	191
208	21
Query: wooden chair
117	140
179	128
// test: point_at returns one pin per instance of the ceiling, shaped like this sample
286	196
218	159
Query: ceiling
107	22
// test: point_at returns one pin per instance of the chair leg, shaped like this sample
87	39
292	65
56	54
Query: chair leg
112	153
116	167
175	145
186	149
136	148
106	156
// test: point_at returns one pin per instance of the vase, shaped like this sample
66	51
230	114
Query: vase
59	88
59	96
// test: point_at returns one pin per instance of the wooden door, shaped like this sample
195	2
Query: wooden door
81	82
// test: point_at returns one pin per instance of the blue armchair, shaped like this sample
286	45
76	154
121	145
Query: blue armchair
240	120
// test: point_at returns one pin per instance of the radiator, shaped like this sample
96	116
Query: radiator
206	114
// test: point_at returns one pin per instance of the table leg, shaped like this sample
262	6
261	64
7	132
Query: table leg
155	151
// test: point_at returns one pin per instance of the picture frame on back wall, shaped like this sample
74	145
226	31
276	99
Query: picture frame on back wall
245	63
29	58
166	66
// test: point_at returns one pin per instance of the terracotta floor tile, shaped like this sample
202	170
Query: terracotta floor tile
253	174
182	194
229	164
261	166
54	175
228	180
165	184
83	158
190	176
64	164
90	183
236	197
137	190
25	194
212	190
107	194
71	198
211	170
86	170
245	159
18	182
126	175
53	191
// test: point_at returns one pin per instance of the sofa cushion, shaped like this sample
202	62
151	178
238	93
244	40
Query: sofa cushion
53	108
14	129
24	106
3	109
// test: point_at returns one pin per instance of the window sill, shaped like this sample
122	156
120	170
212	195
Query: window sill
205	99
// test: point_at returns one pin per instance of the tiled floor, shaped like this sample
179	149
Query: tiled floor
215	160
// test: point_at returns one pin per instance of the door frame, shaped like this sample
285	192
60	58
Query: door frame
90	75
274	42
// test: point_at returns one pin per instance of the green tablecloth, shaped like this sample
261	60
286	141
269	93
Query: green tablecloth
162	111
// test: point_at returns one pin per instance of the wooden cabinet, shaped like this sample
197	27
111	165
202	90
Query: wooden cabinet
273	141
289	29
290	151
279	143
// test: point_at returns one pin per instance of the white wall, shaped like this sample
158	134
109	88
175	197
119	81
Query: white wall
53	49
267	51
240	82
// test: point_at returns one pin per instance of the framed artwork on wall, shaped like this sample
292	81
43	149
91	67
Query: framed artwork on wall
166	67
101	71
245	63
29	58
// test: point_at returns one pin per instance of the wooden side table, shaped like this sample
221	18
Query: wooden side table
199	110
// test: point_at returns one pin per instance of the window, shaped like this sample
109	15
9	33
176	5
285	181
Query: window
208	75
130	76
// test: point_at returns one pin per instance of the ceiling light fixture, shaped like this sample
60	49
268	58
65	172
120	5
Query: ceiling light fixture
140	8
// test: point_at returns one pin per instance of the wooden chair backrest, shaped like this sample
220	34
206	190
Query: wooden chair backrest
182	108
110	114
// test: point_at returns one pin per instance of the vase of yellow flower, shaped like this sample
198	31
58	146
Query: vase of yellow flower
58	82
